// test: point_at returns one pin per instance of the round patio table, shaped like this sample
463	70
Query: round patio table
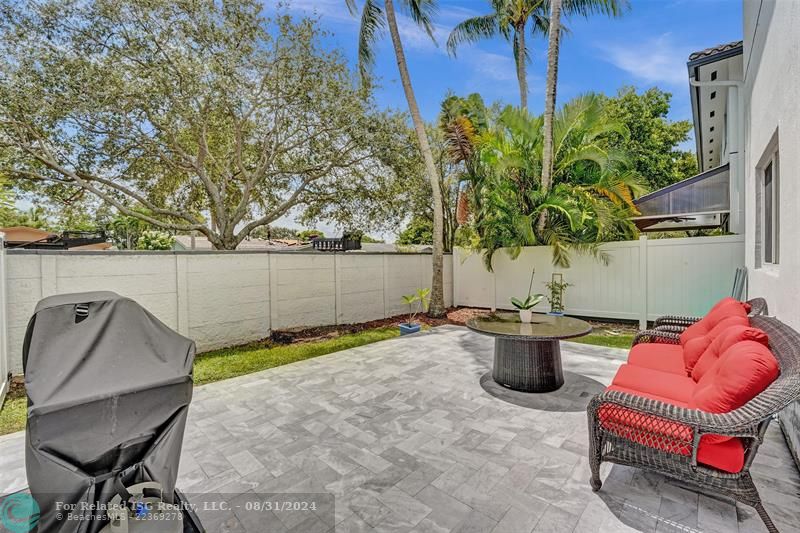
527	357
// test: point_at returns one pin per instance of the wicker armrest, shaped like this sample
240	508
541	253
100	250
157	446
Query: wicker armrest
673	329
674	320
742	422
658	336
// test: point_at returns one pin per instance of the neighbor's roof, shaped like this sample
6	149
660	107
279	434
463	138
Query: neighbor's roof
714	50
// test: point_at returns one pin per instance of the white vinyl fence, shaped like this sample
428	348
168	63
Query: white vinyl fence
643	280
219	298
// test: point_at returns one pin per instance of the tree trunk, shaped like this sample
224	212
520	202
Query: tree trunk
437	307
522	76
550	100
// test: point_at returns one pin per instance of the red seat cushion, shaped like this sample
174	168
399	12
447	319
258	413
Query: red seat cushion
668	436
722	342
725	308
649	381
658	356
695	347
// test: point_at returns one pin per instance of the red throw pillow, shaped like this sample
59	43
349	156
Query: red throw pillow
725	308
722	342
694	348
743	371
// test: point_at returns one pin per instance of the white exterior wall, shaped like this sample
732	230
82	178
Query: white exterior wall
772	103
645	278
218	299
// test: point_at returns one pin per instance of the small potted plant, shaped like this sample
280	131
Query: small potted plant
556	287
525	306
416	303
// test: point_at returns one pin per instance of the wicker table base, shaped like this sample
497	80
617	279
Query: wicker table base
528	365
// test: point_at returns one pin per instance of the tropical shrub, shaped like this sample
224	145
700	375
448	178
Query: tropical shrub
593	187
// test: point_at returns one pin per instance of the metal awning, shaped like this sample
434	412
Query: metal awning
699	202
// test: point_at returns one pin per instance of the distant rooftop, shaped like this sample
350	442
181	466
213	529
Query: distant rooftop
184	242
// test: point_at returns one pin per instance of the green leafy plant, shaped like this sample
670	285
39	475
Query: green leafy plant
417	303
155	240
556	297
531	301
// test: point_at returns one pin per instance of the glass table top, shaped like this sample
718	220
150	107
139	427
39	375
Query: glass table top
543	326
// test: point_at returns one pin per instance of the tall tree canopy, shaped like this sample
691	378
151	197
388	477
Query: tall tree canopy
653	140
192	116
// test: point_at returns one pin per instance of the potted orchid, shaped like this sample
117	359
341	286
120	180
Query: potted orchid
526	306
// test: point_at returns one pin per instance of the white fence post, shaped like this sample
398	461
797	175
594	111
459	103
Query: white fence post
182	292
273	291
643	284
4	362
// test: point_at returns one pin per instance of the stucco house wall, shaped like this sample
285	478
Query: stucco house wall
772	107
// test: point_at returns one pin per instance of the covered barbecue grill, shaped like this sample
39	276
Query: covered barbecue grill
108	387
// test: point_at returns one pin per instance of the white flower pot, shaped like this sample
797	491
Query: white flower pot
525	316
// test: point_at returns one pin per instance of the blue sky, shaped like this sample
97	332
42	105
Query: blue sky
646	47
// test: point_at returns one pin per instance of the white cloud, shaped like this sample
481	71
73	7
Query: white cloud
656	59
493	66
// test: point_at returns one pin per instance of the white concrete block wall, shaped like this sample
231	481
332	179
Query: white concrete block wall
304	290
222	299
228	297
359	284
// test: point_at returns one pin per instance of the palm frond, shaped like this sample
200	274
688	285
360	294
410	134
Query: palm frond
585	8
373	22
472	30
422	12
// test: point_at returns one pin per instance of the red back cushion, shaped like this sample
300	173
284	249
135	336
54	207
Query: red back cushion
743	371
695	347
722	342
727	307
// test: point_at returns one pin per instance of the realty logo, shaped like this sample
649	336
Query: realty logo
19	513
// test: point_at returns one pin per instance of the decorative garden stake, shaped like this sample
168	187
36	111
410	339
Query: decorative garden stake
557	287
525	306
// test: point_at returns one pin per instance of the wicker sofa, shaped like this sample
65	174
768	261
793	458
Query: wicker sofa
710	450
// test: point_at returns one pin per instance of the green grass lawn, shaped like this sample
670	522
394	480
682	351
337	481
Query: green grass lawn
608	339
237	361
12	415
232	362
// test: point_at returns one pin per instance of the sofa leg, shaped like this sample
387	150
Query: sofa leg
594	455
765	518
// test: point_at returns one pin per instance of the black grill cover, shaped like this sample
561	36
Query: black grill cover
109	387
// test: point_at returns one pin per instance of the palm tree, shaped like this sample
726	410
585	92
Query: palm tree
373	19
590	202
511	18
584	7
550	94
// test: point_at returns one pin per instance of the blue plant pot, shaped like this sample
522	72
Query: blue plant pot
556	313
408	329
